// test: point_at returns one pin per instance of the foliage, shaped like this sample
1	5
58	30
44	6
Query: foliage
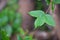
24	35
24	38
10	20
42	18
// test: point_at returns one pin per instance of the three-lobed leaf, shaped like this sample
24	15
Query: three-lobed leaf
42	18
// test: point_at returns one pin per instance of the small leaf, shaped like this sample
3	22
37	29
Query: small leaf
8	30
18	15
11	12
11	16
39	21
26	38
49	20
22	31
19	37
48	2
3	35
36	13
4	20
16	24
29	37
1	14
5	11
0	22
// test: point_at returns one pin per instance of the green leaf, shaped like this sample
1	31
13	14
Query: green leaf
11	12
3	35
29	37
18	15
11	16
19	37
22	31
48	2
49	20
56	1
39	21
16	24
1	14
4	20
0	22
26	38
8	30
5	11
36	13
